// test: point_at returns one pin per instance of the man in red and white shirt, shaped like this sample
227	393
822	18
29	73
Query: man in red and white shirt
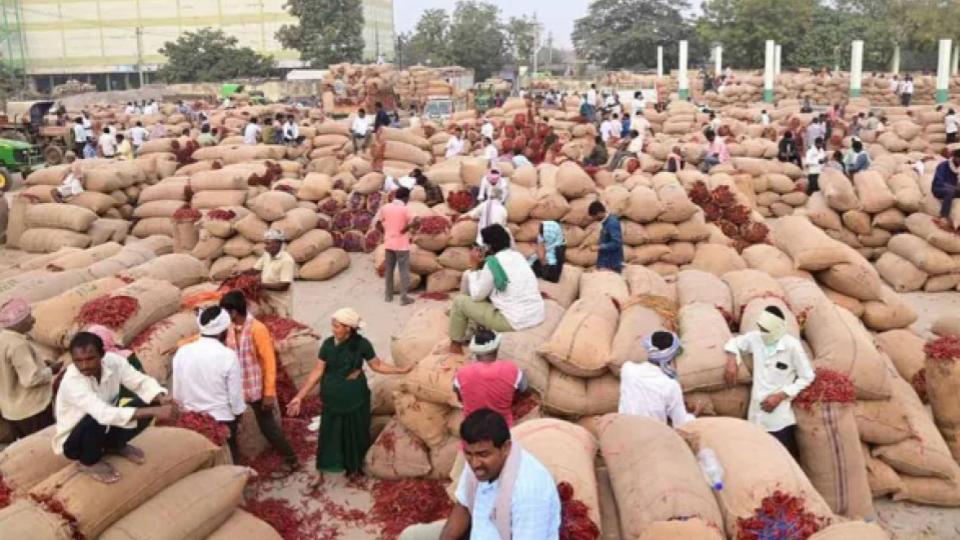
488	383
396	220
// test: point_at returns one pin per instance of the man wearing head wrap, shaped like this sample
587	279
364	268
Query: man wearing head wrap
25	381
492	180
650	388
488	383
487	213
781	370
276	268
207	375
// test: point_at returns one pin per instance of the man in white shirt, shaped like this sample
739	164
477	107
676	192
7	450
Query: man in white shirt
764	118
606	128
108	144
138	134
455	144
490	152
616	126
360	131
503	294
90	421
952	124
895	85
638	104
504	491
650	388
493	180
487	213
79	136
87	123
814	160
130	108
906	91
207	376
291	131
251	133
781	370
486	129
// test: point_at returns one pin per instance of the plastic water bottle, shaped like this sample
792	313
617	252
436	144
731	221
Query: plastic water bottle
712	470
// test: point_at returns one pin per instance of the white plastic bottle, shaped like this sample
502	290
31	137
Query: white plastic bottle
712	470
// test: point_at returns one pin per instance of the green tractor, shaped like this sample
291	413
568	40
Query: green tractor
17	157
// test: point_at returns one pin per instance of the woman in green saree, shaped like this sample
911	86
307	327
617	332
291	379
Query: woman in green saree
345	422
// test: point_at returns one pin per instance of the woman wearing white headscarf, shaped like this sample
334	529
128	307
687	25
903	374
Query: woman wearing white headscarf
345	422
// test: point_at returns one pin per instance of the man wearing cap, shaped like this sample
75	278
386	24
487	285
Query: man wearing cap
276	268
492	181
25	381
207	375
650	388
487	382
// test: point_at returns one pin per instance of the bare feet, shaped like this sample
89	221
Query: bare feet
101	472
132	454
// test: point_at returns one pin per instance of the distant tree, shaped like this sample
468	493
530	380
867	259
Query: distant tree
625	33
743	26
328	31
429	42
521	34
476	38
209	55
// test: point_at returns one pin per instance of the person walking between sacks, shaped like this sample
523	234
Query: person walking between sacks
251	341
90	423
610	245
396	220
79	136
945	183
344	436
108	144
501	291
547	262
814	160
276	268
251	133
489	212
503	492
208	378
906	91
951	123
25	380
494	180
650	389
488	382
781	370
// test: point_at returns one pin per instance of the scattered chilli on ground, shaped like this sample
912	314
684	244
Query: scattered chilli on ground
780	516
110	311
202	423
399	504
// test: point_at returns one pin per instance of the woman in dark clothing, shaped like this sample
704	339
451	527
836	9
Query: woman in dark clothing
599	156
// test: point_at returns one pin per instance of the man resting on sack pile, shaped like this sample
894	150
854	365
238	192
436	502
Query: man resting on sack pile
276	268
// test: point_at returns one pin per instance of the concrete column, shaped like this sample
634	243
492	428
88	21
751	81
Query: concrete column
718	60
683	81
895	63
768	69
660	61
943	70
777	50
856	68
955	59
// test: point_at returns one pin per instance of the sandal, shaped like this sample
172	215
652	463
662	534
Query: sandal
102	472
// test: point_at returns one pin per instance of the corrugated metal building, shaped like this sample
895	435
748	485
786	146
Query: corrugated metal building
97	40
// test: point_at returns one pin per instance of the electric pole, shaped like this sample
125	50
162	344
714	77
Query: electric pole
140	54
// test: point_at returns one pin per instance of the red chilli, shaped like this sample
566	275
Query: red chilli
53	506
828	387
945	349
6	494
575	522
202	423
399	504
779	516
110	311
221	214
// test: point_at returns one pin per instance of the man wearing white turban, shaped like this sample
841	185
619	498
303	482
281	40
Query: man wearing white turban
276	268
207	376
25	380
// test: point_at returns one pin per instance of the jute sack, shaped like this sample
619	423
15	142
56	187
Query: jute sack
627	443
37	285
697	286
905	349
55	316
397	454
755	465
643	281
830	454
29	461
60	216
820	213
923	255
98	203
418	335
717	259
179	269
881	421
943	387
170	189
382	388
17	220
882	478
432	378
643	205
443	457
637	323
50	240
930	491
747	285
243	526
567	289
853	530
923	226
155	300
573	182
203	200
296	222
900	273
325	265
190	509
947	325
891	312
809	247
158	209
600	283
875	196
675	529
156	345
580	345
445	280
425	420
677	207
857	278
841	343
208	248
25	519
174	453
521	347
704	333
838	191
272	205
310	245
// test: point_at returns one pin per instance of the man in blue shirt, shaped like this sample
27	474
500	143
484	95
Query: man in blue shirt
945	182
610	246
382	119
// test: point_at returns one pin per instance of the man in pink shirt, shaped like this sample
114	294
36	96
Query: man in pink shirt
488	383
395	219
716	152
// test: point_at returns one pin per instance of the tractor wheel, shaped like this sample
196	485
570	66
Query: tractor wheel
13	135
6	179
53	155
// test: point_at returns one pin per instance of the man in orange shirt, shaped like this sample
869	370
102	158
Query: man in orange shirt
251	340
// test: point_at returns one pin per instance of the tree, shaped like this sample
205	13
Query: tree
476	39
625	33
429	43
209	55
521	39
328	32
743	26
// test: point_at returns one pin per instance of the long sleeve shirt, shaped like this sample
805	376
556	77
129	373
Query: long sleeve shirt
485	187
784	368
25	381
207	378
610	250
520	303
80	396
645	390
266	357
944	176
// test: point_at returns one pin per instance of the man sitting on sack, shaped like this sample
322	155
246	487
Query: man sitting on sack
276	268
503	492
488	382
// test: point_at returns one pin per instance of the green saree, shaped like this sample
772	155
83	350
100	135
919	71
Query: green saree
345	422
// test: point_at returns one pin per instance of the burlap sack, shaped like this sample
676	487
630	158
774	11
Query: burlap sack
310	245
179	269
172	189
900	273
874	194
717	259
98	203
675	529
851	531
397	454
521	347
203	200
60	216
296	222
417	336
882	478
931	491
858	279
190	509
580	345
838	191
37	285
821	214
567	289
432	378
677	207
807	245
704	333
643	205
923	255
243	526
697	286
50	240
155	300
55	316
747	285
841	343
892	311
943	385
156	345
573	182
600	283
905	349
425	420
29	461
325	265
923	226
637	322
26	519
643	281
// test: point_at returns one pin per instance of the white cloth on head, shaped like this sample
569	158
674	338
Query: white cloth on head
348	317
645	390
215	327
274	235
488	347
207	378
408	182
485	186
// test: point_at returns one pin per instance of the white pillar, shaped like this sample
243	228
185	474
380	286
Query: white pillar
955	59
943	70
895	64
777	50
768	72
683	81
856	68
660	61
718	60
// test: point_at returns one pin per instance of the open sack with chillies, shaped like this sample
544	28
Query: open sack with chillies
720	207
